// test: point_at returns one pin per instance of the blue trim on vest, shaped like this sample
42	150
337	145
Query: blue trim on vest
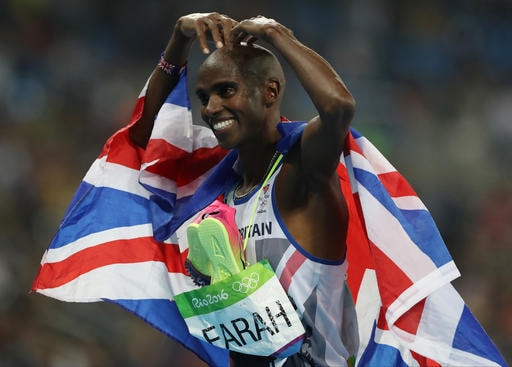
292	240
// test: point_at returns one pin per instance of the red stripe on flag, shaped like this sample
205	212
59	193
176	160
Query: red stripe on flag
121	150
392	283
359	256
410	320
424	361
142	249
125	156
381	322
392	280
137	111
179	165
202	160
396	185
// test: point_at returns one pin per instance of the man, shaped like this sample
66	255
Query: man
279	183
240	87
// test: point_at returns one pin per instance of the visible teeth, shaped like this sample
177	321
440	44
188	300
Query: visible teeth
223	124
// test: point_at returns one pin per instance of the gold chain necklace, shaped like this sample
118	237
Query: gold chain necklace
239	184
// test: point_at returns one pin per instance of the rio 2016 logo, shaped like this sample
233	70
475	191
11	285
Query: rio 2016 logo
210	299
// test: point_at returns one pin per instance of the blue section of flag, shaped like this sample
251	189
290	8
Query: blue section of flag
164	316
472	338
424	233
380	355
96	203
418	225
179	95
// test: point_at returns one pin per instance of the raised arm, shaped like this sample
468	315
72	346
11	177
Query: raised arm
201	26
324	136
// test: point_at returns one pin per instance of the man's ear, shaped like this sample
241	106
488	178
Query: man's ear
272	91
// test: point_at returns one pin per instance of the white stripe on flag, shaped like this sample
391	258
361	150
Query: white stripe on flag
386	232
144	280
409	203
421	289
375	158
115	176
119	233
153	180
174	125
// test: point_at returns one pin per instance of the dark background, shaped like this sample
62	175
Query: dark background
432	80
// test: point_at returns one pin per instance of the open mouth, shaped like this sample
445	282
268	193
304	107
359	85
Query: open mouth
221	125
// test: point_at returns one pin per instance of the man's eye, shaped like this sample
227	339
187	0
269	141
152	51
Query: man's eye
203	98
227	91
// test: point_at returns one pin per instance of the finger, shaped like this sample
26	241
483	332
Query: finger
238	38
237	35
250	40
215	26
245	38
227	29
201	29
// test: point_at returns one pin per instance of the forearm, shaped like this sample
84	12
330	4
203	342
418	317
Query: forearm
159	86
327	91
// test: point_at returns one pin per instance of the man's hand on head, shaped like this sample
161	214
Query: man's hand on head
250	30
214	27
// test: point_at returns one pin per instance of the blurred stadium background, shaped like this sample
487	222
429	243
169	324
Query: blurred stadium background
433	84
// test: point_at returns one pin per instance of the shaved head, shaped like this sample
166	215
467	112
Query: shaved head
255	64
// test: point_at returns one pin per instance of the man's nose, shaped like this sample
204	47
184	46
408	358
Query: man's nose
214	105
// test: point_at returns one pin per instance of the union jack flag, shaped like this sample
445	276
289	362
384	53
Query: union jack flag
119	242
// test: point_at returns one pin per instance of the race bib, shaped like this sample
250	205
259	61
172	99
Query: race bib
248	312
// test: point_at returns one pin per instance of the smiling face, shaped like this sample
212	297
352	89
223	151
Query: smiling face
233	96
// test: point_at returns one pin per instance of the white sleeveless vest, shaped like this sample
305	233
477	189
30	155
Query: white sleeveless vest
315	286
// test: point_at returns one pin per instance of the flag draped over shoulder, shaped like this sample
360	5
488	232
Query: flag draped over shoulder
119	242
